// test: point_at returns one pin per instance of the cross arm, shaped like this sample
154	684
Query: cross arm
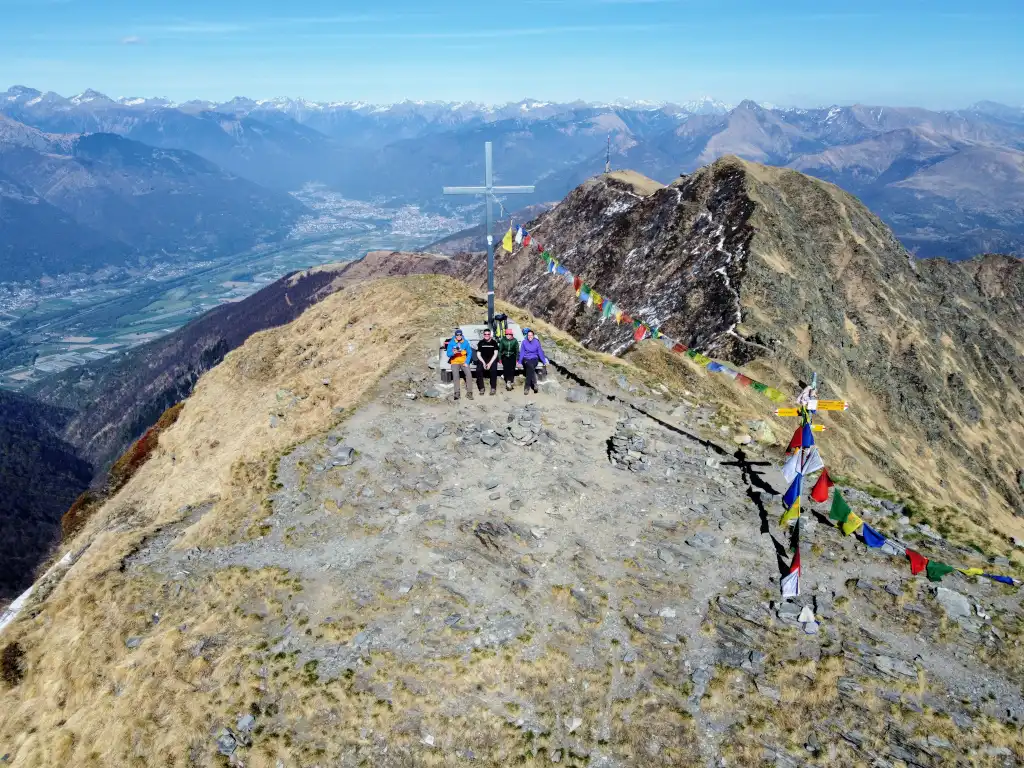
464	190
511	190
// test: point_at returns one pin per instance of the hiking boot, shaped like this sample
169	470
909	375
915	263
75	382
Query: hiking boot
469	394
456	396
526	390
494	392
508	386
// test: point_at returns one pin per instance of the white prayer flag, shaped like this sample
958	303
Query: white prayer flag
791	584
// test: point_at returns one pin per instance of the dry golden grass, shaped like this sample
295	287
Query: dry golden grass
86	699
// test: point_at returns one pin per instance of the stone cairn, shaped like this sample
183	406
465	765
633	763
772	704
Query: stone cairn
629	448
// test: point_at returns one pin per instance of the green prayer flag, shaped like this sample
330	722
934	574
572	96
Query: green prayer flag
691	353
758	386
546	255
936	570
840	509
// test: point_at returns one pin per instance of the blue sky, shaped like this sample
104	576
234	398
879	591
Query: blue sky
790	52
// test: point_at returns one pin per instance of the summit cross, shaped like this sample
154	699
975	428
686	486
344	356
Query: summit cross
488	190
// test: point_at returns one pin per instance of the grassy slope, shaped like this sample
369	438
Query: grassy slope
85	699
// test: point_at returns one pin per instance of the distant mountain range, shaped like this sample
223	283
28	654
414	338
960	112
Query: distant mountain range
949	183
78	202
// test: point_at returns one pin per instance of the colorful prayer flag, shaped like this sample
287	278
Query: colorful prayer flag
791	582
546	255
618	317
701	360
774	395
744	381
519	235
971	571
851	524
607	308
797	441
715	367
506	242
1000	579
840	509
792	494
917	562
812	461
791	513
758	386
678	348
526	238
792	467
641	331
808	436
872	537
936	570
821	488
577	283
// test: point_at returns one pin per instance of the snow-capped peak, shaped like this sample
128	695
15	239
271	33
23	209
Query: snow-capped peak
88	96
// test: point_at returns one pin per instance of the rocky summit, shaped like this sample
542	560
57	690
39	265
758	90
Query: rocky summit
327	561
320	558
787	274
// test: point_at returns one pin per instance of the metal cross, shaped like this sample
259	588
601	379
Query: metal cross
488	191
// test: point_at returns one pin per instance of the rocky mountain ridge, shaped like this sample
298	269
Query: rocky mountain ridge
324	560
775	269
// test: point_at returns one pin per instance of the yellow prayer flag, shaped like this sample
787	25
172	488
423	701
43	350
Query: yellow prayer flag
506	242
775	395
701	360
851	524
618	317
790	514
971	571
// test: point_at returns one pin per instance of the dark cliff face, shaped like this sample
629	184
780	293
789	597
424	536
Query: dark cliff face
40	476
752	263
674	257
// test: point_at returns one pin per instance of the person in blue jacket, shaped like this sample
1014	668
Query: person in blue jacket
460	355
531	354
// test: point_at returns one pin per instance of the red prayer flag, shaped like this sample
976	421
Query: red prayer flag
526	241
917	562
820	490
641	331
577	283
626	318
797	442
745	381
679	348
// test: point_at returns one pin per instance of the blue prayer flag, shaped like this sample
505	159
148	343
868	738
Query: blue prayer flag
808	436
872	537
1000	579
793	493
715	367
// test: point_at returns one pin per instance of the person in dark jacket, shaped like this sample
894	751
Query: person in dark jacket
508	351
531	354
487	362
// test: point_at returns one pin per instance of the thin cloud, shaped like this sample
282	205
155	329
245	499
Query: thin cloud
132	40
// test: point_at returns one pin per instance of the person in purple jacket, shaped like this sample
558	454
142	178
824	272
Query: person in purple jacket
530	355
